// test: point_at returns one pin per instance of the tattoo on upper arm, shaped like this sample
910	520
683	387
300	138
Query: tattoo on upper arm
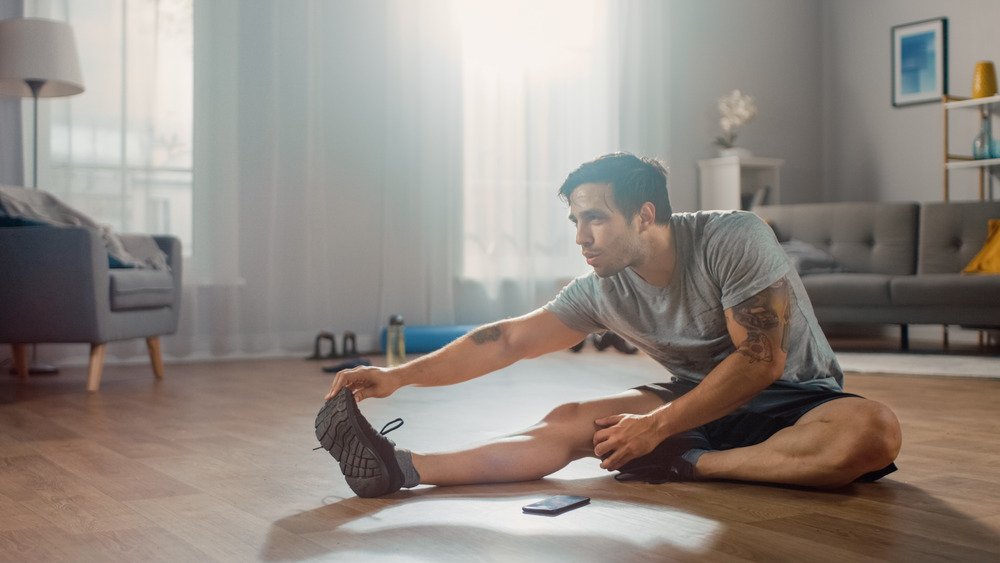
489	333
760	316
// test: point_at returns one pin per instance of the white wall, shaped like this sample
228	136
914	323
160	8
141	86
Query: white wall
769	49
872	150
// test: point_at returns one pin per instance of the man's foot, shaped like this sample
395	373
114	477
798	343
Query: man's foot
367	458
665	463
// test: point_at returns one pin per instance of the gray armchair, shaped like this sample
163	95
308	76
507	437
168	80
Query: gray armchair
57	287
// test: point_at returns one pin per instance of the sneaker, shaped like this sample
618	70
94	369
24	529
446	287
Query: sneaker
664	463
367	458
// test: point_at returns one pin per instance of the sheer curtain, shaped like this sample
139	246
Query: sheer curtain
121	151
403	156
540	96
546	86
327	172
357	159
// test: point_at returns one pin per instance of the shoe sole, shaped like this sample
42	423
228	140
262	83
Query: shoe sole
339	432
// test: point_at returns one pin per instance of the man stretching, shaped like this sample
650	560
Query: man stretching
756	392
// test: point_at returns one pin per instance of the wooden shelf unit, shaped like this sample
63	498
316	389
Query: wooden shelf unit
959	161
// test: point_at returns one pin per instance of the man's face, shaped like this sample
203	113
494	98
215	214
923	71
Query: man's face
609	241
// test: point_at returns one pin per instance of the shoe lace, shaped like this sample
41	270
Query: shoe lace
395	423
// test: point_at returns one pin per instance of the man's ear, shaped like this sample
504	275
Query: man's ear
647	214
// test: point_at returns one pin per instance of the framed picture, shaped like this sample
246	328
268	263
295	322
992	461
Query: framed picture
919	62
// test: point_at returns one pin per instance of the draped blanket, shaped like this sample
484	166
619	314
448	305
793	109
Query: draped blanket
24	207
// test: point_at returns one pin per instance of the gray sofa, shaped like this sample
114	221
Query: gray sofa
901	262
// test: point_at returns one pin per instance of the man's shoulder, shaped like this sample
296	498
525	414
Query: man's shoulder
715	222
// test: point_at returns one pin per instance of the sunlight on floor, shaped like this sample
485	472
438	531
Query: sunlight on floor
655	526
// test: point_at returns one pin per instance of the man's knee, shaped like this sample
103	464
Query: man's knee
568	413
874	441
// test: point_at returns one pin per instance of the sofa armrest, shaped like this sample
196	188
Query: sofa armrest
171	246
55	285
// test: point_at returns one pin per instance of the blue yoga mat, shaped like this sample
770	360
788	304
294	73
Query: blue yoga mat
427	338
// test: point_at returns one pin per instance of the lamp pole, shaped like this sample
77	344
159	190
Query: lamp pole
36	87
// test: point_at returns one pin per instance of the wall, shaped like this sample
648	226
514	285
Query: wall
873	151
769	49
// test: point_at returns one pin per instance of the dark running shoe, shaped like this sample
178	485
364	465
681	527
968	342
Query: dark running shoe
367	458
665	463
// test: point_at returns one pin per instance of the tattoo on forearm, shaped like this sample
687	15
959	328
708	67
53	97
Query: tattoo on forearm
760	315
482	335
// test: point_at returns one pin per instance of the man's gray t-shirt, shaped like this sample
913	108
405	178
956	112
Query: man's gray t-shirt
723	259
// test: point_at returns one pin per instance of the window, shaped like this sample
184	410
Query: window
121	152
540	96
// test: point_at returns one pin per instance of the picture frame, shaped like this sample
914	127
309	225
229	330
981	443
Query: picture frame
919	62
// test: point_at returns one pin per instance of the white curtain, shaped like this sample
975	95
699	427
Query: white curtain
357	159
541	96
121	151
11	157
547	85
326	175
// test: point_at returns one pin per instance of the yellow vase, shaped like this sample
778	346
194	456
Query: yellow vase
984	80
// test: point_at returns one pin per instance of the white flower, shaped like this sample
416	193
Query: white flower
737	109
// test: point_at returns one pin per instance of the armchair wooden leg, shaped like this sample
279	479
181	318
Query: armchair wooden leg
153	343
21	359
96	366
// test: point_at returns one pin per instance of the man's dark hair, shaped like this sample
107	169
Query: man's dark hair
633	180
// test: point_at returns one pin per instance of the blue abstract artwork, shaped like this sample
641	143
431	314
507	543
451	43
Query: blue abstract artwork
917	60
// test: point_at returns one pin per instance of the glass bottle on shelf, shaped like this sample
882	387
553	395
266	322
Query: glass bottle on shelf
983	145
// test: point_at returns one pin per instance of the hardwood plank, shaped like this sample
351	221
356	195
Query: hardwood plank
113	474
135	544
62	498
224	532
873	540
906	515
26	426
38	543
16	516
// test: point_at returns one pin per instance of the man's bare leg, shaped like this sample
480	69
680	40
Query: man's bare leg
830	446
564	435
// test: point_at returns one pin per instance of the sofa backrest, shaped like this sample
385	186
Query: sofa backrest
952	233
876	238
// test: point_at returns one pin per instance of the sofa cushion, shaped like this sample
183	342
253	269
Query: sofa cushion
987	261
878	238
946	289
808	259
140	289
952	233
848	289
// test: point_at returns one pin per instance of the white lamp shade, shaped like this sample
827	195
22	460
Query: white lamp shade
42	50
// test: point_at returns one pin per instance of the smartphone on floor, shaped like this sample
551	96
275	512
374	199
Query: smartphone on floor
555	505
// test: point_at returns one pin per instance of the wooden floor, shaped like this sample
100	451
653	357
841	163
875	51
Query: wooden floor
215	462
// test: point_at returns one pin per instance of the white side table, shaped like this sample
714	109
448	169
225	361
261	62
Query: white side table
732	182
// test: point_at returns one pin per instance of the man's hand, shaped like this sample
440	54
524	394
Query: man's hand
625	437
365	382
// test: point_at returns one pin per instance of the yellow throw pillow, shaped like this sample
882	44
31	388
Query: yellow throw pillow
987	261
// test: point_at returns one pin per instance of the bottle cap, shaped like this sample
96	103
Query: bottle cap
396	320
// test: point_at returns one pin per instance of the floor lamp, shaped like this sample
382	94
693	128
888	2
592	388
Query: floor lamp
38	60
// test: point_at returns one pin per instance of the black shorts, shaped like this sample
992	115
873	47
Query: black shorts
779	406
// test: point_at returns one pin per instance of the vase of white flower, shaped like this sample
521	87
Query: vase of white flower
737	109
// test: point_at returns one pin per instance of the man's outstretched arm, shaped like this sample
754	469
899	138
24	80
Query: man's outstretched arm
759	330
484	350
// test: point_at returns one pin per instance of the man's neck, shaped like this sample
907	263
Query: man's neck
661	260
